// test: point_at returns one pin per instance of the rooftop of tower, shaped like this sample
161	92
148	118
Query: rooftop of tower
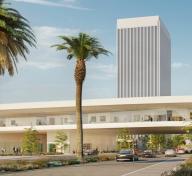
141	22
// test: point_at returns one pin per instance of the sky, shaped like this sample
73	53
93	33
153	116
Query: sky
48	75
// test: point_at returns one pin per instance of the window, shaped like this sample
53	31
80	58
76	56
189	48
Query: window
87	146
102	118
93	119
136	118
40	122
13	123
65	120
115	119
2	123
52	121
190	115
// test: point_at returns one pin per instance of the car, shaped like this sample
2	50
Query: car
180	151
126	154
90	152
170	153
148	154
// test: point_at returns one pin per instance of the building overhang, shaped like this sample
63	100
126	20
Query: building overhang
163	127
95	106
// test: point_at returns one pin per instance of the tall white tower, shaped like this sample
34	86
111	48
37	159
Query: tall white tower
144	57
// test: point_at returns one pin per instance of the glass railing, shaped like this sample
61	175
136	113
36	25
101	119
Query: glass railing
34	122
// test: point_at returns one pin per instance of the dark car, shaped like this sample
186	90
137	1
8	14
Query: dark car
126	154
148	154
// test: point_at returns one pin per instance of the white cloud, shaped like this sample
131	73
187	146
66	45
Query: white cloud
44	57
59	3
48	35
102	71
180	65
43	65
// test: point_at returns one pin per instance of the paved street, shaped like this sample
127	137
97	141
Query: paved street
149	167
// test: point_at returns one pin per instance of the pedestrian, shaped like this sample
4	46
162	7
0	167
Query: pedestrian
14	149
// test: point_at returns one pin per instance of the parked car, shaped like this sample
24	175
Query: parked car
148	154
170	153
90	152
180	151
126	154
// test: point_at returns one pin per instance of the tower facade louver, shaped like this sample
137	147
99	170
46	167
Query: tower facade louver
143	57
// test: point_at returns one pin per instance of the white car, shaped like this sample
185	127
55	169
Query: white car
170	153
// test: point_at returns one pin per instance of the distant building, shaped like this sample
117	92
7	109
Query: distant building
144	57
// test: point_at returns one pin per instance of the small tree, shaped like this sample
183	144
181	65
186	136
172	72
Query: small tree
169	143
124	139
60	140
30	142
178	140
188	130
156	142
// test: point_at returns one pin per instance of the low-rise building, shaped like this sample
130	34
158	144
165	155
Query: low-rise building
102	119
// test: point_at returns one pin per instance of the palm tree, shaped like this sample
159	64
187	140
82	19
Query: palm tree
82	47
15	36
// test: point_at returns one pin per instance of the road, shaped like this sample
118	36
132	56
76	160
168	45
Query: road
148	167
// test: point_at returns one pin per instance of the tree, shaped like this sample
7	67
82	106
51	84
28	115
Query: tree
156	142
15	37
178	140
60	140
82	47
124	139
30	142
188	130
169	143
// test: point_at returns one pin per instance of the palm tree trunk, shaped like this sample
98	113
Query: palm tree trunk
80	72
79	121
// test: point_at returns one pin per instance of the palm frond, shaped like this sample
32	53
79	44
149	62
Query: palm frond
82	46
16	35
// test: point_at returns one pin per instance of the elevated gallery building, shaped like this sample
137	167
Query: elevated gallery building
101	120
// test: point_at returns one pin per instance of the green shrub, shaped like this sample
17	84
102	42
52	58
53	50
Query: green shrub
37	164
106	156
180	172
184	170
71	162
91	159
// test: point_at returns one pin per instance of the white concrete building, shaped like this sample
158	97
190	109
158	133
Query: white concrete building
102	119
144	57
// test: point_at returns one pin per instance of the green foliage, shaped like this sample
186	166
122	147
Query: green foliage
60	140
15	37
91	159
178	140
30	144
156	142
183	170
124	139
169	143
21	165
82	46
71	162
188	130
